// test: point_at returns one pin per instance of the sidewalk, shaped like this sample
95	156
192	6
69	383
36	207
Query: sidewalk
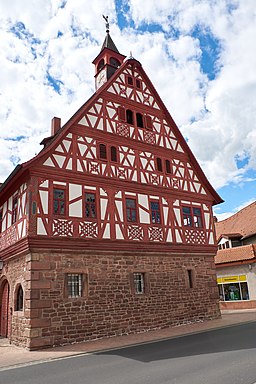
11	355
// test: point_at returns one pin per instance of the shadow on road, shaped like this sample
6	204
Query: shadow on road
220	340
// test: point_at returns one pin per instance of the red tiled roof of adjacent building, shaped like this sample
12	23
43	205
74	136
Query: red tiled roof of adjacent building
230	255
242	222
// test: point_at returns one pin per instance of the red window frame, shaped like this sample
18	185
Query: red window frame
103	151
155	212
131	211
59	203
168	166
129	80
148	122
192	217
14	209
90	206
139	120
159	165
138	83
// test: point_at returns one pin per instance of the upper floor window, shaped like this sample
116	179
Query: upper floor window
129	80
192	217
138	83
159	165
129	116
139	120
59	201
113	153
103	151
14	209
131	210
90	205
168	166
155	212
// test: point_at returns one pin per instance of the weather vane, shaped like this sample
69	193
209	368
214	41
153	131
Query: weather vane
107	23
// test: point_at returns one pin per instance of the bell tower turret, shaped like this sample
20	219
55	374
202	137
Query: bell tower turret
108	60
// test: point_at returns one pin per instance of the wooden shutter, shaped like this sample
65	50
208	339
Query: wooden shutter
121	113
148	121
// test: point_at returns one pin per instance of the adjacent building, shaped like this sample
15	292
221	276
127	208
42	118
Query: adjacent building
235	259
109	229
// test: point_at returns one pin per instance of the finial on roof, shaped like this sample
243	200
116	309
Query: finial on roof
107	23
131	56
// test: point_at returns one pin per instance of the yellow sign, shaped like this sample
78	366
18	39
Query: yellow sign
231	279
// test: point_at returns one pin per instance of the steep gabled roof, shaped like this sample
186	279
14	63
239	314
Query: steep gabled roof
242	222
216	199
109	43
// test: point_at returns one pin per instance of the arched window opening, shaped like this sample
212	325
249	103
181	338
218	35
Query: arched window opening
139	120
129	116
113	153
103	151
168	166
101	64
159	164
116	63
19	299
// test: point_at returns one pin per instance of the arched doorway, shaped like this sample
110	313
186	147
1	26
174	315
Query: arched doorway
4	317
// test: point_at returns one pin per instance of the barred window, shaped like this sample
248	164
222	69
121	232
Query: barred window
139	283
74	285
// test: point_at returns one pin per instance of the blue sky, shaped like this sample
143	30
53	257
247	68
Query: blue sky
198	55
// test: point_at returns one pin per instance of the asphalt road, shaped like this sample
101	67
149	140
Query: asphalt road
224	356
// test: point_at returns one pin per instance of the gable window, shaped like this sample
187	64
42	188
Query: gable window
1	219
129	116
19	299
139	283
131	210
113	153
155	212
168	166
129	80
90	205
103	151
139	120
74	284
14	209
59	201
138	83
198	223
148	122
159	166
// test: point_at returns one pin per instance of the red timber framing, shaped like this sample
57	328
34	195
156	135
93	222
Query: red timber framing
104	202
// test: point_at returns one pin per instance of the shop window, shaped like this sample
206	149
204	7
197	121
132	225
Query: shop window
131	210
14	209
129	116
74	285
19	299
233	291
100	65
1	219
139	120
139	283
159	165
168	166
90	205
59	201
103	151
155	212
113	153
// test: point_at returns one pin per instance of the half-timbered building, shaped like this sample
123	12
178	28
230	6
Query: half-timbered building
109	229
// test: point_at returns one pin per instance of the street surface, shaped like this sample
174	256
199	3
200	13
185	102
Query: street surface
223	356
